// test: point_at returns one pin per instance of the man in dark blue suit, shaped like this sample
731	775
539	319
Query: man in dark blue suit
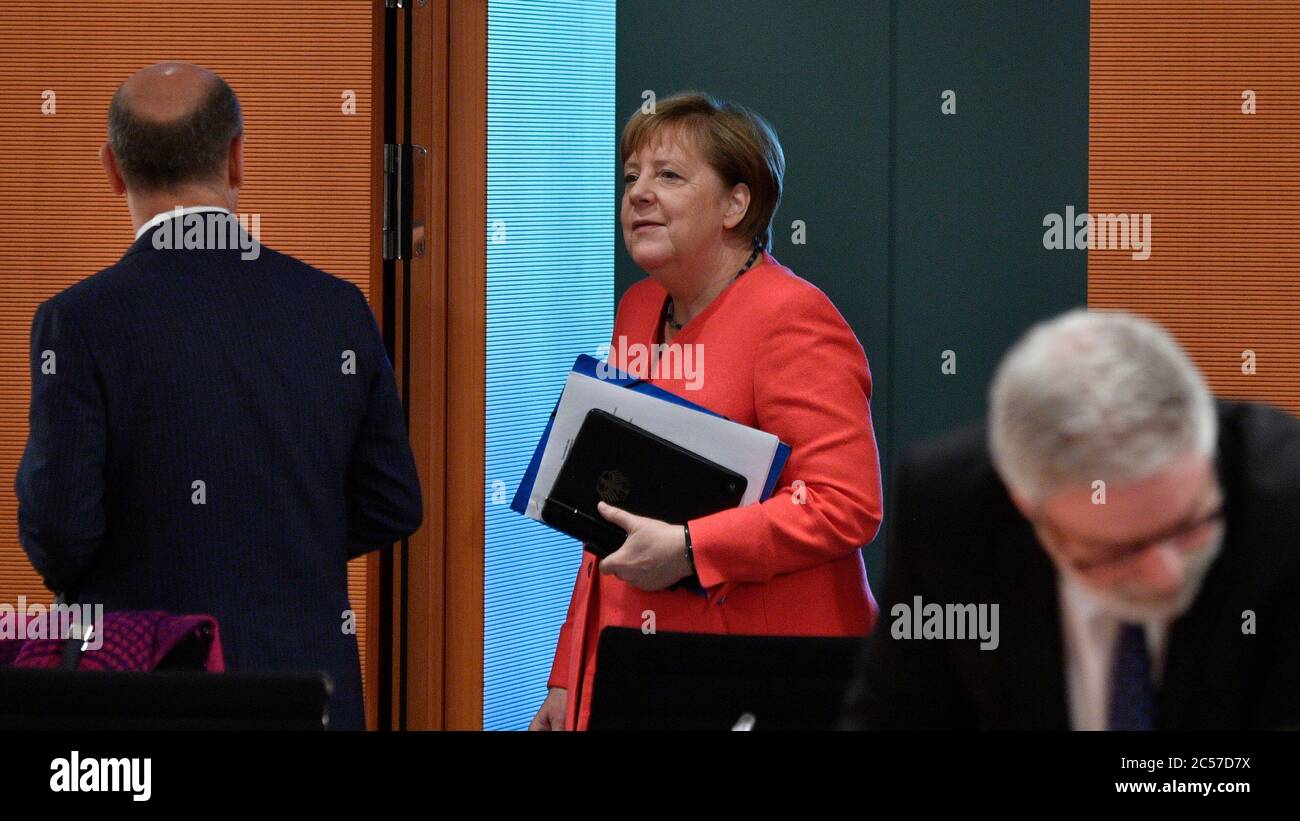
215	426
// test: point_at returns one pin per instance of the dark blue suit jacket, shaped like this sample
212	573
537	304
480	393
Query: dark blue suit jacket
200	444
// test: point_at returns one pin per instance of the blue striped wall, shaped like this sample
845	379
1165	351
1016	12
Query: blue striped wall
550	291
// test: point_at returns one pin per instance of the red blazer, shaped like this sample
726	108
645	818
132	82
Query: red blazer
772	352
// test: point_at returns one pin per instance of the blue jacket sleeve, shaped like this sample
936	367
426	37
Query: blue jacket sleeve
60	483
383	488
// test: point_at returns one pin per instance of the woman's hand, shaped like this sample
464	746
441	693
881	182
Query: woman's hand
550	716
654	554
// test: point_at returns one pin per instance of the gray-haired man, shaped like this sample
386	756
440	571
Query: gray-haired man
1140	542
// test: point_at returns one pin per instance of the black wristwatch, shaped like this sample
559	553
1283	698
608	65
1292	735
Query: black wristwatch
690	551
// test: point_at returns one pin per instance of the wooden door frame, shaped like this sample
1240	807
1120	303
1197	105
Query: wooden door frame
370	674
467	362
435	595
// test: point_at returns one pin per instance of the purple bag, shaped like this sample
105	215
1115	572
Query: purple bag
133	641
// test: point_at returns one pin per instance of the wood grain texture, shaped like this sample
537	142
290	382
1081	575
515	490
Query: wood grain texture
467	362
426	593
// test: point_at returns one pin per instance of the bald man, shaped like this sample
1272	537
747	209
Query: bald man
215	426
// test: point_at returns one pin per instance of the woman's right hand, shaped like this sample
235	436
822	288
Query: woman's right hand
550	716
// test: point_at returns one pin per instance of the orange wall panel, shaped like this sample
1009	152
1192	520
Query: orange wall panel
1168	137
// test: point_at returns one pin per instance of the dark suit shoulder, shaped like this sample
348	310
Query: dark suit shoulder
954	467
1263	444
307	271
135	273
949	503
1259	466
84	293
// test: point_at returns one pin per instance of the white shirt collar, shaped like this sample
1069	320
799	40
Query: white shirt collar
1090	630
1090	610
176	212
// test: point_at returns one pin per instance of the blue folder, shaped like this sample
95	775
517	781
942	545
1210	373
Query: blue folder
587	365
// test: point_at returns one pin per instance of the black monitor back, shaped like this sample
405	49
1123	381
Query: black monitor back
97	700
693	681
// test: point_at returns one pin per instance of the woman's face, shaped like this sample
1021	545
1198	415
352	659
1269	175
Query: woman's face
675	206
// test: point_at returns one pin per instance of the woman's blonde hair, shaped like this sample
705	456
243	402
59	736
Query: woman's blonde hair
737	143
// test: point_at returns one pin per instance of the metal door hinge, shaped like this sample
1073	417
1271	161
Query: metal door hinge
402	234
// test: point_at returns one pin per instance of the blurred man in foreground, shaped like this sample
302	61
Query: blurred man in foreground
1139	545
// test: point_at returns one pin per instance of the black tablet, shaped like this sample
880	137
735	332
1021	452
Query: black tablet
613	460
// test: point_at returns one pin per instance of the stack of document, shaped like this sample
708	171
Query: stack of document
752	453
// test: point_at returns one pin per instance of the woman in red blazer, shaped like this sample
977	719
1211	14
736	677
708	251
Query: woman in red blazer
740	334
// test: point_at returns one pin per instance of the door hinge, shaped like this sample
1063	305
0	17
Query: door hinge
402	235
392	199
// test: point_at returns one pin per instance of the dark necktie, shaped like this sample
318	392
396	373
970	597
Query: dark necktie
1131	699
